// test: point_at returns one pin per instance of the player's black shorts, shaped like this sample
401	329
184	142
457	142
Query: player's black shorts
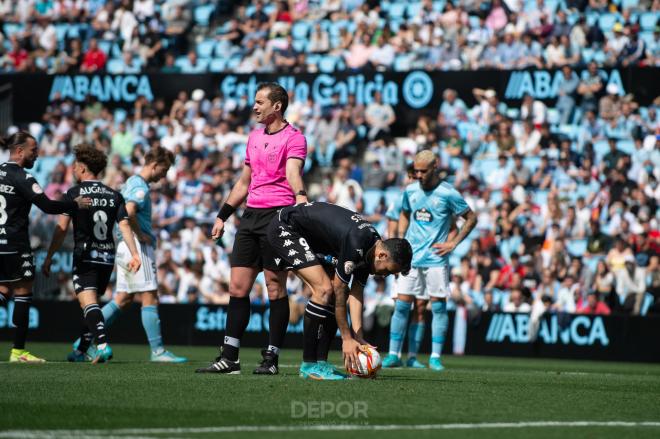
292	250
91	276
16	267
251	246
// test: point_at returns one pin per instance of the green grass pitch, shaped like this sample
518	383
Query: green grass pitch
475	397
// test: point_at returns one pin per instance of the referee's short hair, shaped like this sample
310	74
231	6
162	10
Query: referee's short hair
95	160
401	253
277	94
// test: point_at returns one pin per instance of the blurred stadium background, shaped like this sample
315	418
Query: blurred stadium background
544	114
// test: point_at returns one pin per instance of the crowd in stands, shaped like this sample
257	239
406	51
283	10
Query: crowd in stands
567	218
195	36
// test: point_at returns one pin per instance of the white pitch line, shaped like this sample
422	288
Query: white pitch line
120	433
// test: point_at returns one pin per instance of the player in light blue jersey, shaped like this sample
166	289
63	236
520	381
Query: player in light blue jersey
417	324
142	283
428	210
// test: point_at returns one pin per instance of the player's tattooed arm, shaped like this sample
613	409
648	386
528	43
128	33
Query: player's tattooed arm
443	248
58	238
350	347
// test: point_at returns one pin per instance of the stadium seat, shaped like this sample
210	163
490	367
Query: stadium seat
397	10
629	4
392	195
203	13
205	49
606	21
115	66
577	247
648	20
627	146
371	199
217	65
414	8
532	163
327	64
300	30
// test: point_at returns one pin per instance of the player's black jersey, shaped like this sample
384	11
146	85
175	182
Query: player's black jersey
337	232
18	189
92	228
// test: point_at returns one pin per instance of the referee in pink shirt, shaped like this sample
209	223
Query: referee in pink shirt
271	179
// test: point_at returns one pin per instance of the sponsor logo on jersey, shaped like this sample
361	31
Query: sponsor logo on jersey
423	216
349	266
94	190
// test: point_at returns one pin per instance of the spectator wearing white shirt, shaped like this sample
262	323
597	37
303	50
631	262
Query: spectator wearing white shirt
380	116
516	302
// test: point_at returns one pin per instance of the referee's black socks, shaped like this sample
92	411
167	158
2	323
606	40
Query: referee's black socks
317	321
238	318
278	321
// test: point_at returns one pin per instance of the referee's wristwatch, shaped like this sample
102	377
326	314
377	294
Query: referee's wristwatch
302	192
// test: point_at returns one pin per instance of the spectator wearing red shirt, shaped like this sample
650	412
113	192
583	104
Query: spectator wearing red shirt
17	55
94	59
594	306
508	272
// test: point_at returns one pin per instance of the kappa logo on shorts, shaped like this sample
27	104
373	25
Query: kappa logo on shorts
76	286
349	266
26	255
27	264
27	273
287	243
292	252
297	262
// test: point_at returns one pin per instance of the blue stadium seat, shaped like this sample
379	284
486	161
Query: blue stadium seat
392	195
115	66
11	28
205	49
629	4
627	146
328	63
397	10
646	304
203	13
577	247
553	116
217	65
606	21
532	163
541	197
601	147
648	20
300	30
414	8
371	198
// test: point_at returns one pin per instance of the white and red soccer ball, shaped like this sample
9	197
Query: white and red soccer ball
369	363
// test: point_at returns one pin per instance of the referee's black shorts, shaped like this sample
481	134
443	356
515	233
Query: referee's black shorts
251	247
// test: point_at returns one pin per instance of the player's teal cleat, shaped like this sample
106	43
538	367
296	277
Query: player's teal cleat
314	371
167	357
103	355
436	364
91	351
332	369
78	357
412	362
392	361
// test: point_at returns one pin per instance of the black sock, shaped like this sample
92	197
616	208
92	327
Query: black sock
316	316
238	318
278	322
86	337
95	322
21	319
328	335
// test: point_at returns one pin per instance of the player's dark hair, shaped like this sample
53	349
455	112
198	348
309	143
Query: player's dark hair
19	138
400	251
95	160
277	94
160	156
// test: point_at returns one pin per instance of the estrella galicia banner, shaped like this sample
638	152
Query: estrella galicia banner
585	337
410	93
